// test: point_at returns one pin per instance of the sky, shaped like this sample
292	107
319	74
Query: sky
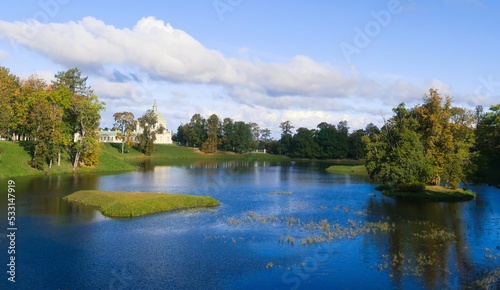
261	61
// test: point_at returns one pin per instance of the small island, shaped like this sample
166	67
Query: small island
429	193
133	204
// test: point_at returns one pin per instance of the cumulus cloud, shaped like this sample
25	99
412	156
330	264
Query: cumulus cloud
134	63
173	55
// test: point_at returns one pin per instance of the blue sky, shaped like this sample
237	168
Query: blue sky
262	61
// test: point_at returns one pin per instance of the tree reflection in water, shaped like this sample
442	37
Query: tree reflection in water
429	243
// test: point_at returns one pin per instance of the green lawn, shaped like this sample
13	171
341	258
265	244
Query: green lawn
14	159
132	204
432	193
14	162
348	169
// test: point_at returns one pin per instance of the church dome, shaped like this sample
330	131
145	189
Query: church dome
161	119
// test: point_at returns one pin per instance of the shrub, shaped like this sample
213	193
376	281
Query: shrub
411	187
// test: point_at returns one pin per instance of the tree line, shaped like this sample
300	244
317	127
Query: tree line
436	143
328	141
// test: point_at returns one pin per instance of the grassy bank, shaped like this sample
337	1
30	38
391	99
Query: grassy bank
182	152
348	169
14	162
431	193
14	159
132	204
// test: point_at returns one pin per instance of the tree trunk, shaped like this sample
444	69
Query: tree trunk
77	159
50	164
59	158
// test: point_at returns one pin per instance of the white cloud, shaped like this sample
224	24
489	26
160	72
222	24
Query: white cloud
171	54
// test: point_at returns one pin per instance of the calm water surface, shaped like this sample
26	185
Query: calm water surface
254	239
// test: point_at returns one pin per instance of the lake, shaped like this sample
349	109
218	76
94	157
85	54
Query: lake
280	226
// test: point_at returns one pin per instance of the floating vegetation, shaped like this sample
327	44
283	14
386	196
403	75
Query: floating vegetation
270	265
288	239
490	255
436	234
282	192
491	280
398	263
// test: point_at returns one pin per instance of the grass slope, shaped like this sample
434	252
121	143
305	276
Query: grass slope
163	151
432	193
132	204
348	169
14	162
14	159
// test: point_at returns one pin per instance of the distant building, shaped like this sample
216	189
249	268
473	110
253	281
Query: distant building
165	138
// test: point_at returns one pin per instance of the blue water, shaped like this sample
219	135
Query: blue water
67	246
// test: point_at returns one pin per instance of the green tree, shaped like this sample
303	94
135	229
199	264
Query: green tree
487	147
356	145
86	113
9	91
82	118
197	134
255	128
304	145
460	157
242	138
74	81
212	127
326	137
342	146
285	142
125	124
149	125
396	155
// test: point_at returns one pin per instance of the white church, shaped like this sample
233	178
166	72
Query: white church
165	138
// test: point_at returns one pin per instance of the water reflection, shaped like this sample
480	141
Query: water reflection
430	242
433	245
43	196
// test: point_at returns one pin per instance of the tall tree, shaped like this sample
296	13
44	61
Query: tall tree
149	125
285	142
212	128
73	79
342	148
326	138
356	145
125	124
487	147
396	155
197	134
9	90
304	145
86	113
83	117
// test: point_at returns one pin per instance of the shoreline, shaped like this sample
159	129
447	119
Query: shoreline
14	159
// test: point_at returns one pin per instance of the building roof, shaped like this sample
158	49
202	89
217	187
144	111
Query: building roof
161	118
